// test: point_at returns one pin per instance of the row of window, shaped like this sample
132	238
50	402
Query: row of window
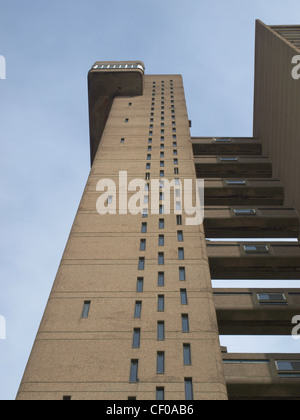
161	259
285	368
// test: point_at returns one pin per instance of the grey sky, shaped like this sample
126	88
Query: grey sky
44	136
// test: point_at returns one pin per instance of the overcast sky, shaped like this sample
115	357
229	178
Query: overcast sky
49	47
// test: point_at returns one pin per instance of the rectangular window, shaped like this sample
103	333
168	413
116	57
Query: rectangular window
179	236
161	196
141	263
175	152
185	323
143	245
183	297
149	156
147	176
235	183
182	276
161	258
161	279
272	298
144	228
162	164
160	362
134	371
161	303
160	394
179	220
160	330
161	240
188	385
256	249
181	253
175	161
122	141
187	359
86	309
245	212
138	309
162	154
161	223
161	209
140	285
148	165
136	338
288	366
176	171
161	173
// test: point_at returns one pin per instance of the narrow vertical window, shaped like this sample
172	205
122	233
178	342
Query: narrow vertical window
188	384
86	309
141	263
183	297
161	258
161	303
160	368
160	394
182	276
136	338
138	309
179	220
161	240
161	223
180	253
185	323
179	236
160	330
144	228
161	279
140	285
187	359
143	245
134	371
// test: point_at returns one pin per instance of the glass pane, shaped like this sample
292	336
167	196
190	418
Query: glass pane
187	354
134	371
160	394
138	309
160	362
188	389
136	338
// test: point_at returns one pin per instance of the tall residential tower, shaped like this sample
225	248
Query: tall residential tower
132	313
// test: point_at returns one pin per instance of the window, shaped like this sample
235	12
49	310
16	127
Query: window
160	394
134	371
161	209
176	171
179	236
160	331
86	309
136	338
161	173
145	213
126	120
272	298
161	196
161	279
161	223
148	165
175	161
256	249
162	154
182	276
160	368
143	245
178	206
245	212
161	303
144	228
288	368
140	285
235	183
188	385
122	141
161	240
138	309
161	258
177	181
162	164
228	159
141	263
175	152
183	297
179	220
185	323
181	253
187	359
148	157
147	176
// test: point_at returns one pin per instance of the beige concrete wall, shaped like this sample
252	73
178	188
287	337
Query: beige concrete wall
90	358
277	108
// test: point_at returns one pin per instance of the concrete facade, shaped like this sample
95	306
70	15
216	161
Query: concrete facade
132	313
